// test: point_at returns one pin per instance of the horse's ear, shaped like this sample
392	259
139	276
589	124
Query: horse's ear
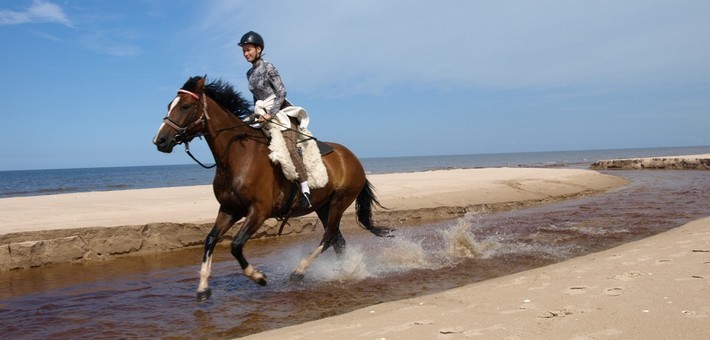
201	84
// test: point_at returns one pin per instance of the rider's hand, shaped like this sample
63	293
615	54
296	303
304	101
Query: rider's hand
264	118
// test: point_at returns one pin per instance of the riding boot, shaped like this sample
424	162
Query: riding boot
306	198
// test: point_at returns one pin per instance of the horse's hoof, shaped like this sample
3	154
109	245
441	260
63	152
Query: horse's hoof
259	278
204	295
296	277
255	275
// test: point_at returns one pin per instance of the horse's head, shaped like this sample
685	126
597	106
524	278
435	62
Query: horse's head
186	116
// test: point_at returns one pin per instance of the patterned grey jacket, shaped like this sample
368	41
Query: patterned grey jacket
264	81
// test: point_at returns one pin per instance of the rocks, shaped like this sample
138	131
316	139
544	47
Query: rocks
700	162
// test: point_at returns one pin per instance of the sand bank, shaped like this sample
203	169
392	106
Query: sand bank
40	230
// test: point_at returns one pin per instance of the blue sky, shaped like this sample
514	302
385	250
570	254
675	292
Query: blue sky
86	83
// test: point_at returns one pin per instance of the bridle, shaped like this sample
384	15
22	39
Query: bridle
181	137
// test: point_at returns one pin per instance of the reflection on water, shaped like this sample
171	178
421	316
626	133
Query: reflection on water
154	296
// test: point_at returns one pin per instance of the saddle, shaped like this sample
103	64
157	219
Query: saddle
323	147
310	149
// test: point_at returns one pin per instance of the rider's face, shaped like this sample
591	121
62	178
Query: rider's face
251	52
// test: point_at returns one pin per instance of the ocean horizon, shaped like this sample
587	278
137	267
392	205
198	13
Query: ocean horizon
16	183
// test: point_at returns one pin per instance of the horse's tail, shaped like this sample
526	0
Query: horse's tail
363	208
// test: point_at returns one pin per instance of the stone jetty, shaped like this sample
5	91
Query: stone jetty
690	162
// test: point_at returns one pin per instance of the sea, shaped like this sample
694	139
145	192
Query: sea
62	181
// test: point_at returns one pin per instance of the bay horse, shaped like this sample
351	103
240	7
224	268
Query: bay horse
248	185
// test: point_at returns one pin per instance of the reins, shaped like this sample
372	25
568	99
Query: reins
187	150
180	136
298	131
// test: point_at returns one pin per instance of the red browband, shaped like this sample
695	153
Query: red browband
190	93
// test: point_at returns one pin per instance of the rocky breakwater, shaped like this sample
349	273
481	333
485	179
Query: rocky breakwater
691	162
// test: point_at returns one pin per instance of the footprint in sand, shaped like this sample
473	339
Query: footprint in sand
556	313
615	291
576	290
690	278
630	275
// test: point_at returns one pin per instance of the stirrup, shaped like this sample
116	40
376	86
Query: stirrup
306	200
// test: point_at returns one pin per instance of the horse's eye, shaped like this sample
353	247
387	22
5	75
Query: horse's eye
186	106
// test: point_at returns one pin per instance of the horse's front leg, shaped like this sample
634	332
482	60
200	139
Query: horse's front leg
223	222
251	224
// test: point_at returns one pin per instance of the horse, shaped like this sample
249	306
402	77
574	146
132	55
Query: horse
247	184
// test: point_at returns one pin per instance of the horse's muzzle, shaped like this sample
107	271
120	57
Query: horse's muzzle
164	144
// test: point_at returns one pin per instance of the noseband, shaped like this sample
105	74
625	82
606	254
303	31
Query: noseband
181	137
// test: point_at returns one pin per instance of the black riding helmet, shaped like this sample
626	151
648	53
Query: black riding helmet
253	38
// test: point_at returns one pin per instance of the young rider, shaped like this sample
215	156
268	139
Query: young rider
266	85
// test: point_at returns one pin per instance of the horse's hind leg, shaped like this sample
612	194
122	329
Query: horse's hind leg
223	222
339	244
338	239
332	236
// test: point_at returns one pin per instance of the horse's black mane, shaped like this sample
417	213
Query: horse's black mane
223	93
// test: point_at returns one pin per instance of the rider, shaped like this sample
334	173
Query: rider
266	85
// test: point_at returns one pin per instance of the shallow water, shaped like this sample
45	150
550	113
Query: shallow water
154	296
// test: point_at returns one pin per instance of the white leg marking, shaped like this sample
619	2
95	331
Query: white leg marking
253	274
205	274
308	260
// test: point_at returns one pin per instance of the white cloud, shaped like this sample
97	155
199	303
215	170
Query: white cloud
39	12
375	46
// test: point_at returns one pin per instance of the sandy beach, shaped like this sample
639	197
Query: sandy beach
655	288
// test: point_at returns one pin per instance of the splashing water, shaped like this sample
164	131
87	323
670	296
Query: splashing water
350	266
407	251
473	237
460	241
402	254
358	263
